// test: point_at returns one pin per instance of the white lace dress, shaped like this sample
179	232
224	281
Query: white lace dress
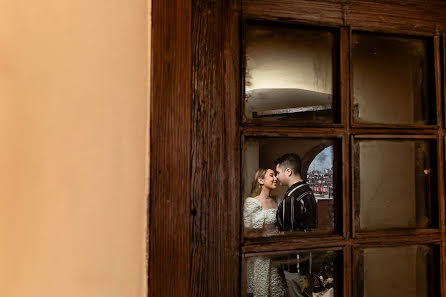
263	277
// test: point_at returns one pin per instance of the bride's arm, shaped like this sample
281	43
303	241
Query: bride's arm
254	216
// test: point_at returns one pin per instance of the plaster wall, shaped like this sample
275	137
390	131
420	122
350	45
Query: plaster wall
74	93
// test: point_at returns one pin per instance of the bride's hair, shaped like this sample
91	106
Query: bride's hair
256	188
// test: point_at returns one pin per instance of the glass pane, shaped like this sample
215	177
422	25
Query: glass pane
393	79
289	73
395	183
310	204
397	271
313	274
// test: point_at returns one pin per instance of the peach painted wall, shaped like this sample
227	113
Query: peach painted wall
74	85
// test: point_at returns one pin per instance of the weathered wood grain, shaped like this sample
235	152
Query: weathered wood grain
412	17
170	122
376	239
215	175
195	199
300	11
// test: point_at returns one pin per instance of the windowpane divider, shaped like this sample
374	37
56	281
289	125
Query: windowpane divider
442	266
438	89
394	126
254	124
441	185
291	242
346	201
393	131
291	250
293	132
339	131
443	75
395	136
337	241
441	208
354	212
395	233
345	67
344	76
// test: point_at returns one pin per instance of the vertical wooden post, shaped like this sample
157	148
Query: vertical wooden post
215	188
171	105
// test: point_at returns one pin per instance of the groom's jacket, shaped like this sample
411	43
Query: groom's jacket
298	209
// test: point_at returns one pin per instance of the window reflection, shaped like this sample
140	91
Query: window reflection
408	271
395	184
272	204
289	73
393	79
315	274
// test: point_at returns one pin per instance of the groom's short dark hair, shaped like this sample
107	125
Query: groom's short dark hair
291	161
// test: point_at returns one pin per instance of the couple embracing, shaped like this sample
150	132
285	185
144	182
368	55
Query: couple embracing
263	216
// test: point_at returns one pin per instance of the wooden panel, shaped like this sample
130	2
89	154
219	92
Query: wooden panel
395	136
268	245
346	179
215	173
441	186
293	132
293	250
171	102
337	132
393	233
347	269
437	76
354	182
254	123
393	131
442	268
382	15
443	75
302	11
344	63
398	16
378	239
396	240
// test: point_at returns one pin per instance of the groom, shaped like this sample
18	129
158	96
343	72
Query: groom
298	209
296	212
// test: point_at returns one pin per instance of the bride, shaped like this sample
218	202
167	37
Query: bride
264	279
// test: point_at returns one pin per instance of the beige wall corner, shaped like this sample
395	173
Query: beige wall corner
74	106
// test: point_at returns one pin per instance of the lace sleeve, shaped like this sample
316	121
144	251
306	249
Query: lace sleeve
253	215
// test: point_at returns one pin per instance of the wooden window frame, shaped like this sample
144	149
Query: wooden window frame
194	204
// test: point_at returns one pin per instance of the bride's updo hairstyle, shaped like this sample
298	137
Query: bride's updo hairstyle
256	187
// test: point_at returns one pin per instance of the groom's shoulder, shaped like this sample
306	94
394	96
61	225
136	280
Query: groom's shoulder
297	190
